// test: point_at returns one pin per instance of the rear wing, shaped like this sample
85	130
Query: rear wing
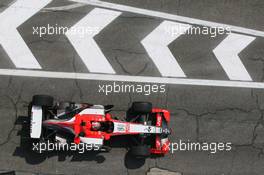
36	122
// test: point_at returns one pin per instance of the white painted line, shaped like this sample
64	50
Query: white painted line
156	45
170	16
126	78
227	54
10	39
63	8
85	45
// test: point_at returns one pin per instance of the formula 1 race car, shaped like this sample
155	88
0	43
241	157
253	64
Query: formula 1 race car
94	125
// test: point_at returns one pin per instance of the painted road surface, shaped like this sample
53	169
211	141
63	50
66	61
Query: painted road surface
214	83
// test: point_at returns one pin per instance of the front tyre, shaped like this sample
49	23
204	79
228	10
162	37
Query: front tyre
140	151
142	107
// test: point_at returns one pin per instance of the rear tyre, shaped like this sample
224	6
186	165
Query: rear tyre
142	107
42	100
140	151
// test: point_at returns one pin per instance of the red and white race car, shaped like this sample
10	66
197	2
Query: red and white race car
93	124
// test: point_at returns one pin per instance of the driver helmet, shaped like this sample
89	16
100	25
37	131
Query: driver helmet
96	125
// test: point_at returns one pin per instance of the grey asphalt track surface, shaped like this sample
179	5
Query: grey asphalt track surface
198	113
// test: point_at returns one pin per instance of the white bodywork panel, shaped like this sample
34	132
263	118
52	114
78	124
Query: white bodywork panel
36	122
92	141
94	110
135	128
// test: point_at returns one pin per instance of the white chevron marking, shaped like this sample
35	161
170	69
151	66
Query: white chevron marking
11	40
85	45
227	54
156	45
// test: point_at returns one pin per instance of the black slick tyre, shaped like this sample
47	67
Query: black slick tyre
140	151
142	107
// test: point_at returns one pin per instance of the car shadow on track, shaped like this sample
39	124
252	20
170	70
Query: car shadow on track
25	151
